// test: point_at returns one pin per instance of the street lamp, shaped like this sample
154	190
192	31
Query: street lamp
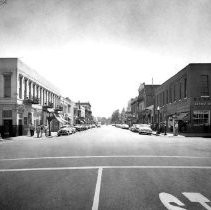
50	116
158	127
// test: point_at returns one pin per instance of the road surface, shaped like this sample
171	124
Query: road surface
106	168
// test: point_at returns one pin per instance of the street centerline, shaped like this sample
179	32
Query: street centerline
103	167
101	156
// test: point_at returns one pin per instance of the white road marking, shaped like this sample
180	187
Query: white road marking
97	190
199	198
101	156
103	167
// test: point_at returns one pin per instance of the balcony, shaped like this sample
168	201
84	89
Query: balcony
32	100
59	109
47	105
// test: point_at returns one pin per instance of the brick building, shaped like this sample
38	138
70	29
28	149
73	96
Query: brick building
185	97
146	103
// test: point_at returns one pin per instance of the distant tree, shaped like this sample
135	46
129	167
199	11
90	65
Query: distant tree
123	116
115	117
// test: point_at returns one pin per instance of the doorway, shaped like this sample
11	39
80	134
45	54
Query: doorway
7	128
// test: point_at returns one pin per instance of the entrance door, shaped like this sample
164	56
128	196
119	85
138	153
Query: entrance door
7	128
20	127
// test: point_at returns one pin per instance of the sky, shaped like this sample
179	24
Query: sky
102	50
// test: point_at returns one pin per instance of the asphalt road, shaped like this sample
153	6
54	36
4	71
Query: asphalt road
106	168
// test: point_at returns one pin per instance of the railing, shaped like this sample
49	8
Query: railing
47	105
59	108
32	100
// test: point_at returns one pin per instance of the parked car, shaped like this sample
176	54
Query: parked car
65	130
125	126
134	128
144	129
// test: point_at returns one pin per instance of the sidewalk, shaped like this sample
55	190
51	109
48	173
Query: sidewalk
27	137
204	135
167	134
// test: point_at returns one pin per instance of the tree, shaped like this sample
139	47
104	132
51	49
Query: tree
115	118
123	116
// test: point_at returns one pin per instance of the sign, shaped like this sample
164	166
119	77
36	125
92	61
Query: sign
202	103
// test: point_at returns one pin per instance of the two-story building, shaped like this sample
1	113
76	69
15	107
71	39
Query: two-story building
146	103
25	97
185	98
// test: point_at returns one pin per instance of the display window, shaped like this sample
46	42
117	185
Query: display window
201	117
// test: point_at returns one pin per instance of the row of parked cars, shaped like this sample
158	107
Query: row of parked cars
138	128
68	129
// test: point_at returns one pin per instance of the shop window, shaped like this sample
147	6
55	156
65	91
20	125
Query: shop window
7	114
7	86
204	85
201	117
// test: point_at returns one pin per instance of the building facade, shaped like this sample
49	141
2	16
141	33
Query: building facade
68	110
146	100
25	97
185	99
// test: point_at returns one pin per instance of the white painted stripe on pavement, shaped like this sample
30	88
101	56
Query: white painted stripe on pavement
97	190
101	156
103	167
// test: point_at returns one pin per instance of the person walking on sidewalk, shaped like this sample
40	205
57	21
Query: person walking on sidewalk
38	129
42	129
31	128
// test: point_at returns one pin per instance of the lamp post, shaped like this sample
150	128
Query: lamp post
158	127
49	117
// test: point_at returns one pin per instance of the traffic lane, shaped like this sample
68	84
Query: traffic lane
104	144
84	161
72	189
140	188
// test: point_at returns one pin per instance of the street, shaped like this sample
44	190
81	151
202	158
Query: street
106	168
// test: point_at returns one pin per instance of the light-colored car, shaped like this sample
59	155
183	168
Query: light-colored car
134	128
65	130
144	129
125	126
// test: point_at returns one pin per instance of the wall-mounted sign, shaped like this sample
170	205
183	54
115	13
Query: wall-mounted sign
202	103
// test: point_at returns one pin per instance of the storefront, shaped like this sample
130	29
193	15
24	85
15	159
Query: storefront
201	115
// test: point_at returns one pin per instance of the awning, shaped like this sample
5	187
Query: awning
60	118
182	116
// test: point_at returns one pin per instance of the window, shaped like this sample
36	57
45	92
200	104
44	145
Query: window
185	87
20	87
25	120
37	92
167	100
204	85
30	86
25	88
33	90
163	98
170	95
7	85
175	92
180	90
7	114
201	117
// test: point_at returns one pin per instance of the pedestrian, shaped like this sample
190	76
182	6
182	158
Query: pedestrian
31	128
38	129
42	129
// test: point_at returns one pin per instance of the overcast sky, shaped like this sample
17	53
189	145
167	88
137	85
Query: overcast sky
101	50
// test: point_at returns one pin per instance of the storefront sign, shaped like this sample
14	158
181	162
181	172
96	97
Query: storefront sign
202	103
